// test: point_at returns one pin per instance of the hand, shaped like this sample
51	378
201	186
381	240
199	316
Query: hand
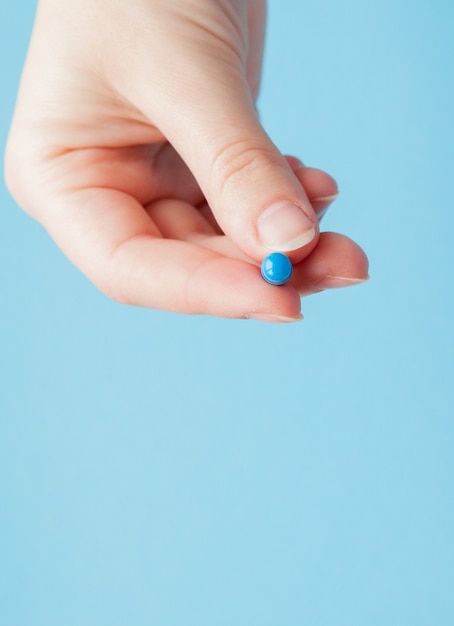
136	143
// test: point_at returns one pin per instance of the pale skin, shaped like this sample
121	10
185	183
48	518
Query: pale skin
136	143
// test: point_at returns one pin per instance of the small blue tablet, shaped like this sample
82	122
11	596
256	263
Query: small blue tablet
276	268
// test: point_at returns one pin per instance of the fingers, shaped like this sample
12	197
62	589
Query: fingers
336	261
112	239
118	245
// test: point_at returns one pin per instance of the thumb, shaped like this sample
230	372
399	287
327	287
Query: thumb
248	184
252	191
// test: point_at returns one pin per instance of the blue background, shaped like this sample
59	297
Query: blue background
165	470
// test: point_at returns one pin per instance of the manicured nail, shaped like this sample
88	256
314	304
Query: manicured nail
334	282
284	227
276	319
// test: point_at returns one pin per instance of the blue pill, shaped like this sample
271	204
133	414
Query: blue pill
276	268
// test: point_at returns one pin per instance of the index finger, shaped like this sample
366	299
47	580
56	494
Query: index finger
112	239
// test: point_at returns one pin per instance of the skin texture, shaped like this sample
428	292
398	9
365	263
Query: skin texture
136	143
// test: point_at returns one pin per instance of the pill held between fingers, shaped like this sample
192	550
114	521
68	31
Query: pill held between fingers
276	268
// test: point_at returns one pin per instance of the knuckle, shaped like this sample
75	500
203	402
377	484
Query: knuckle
118	278
236	163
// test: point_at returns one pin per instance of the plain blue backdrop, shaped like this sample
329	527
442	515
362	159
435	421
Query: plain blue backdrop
160	470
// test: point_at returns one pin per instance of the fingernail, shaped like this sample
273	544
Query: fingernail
276	319
324	199
284	227
334	282
322	204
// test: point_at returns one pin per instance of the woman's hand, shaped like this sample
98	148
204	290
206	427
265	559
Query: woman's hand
136	143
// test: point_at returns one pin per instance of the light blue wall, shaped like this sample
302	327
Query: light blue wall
158	470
